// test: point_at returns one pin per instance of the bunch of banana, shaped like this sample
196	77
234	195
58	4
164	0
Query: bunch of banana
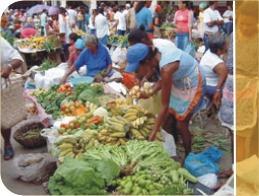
117	124
91	106
74	146
115	132
135	112
90	138
113	138
139	122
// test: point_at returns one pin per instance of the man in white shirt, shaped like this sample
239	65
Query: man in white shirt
212	21
71	16
126	10
102	27
228	20
10	59
120	19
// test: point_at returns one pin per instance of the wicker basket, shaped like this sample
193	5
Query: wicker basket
34	142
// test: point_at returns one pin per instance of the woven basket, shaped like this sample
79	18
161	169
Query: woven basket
12	103
34	142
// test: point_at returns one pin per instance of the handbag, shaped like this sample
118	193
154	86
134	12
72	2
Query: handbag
12	102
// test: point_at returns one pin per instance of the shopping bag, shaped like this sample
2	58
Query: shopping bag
12	102
204	162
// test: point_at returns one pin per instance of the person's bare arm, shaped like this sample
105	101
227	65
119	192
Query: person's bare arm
166	84
67	74
7	69
222	72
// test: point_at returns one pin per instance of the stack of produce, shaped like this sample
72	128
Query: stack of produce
115	132
145	168
50	100
76	177
75	145
73	108
146	89
65	88
139	121
118	40
80	123
46	65
74	101
39	43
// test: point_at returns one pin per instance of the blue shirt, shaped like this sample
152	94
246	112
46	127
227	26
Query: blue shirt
95	62
144	17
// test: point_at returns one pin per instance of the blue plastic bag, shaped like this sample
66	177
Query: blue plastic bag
204	162
190	49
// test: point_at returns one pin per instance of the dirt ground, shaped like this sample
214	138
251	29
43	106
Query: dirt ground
21	188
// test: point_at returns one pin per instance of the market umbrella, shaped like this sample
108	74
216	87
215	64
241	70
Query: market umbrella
53	10
37	9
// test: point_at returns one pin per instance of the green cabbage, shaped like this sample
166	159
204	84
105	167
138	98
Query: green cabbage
77	177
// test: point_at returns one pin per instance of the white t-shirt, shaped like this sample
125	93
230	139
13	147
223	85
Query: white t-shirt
91	25
7	54
226	15
101	26
122	20
62	23
71	16
125	12
209	16
208	62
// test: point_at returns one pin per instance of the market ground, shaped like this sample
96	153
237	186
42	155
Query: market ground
21	188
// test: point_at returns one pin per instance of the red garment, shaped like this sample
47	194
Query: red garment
182	22
28	32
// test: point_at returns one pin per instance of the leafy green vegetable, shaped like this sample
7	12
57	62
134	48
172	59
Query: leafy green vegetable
47	64
77	177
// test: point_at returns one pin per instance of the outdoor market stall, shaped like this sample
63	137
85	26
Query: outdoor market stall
97	134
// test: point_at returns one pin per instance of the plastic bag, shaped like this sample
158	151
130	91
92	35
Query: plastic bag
119	55
204	162
169	143
51	136
226	112
209	180
190	49
34	167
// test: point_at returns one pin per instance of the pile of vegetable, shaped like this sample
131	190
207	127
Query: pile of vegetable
202	140
50	100
142	168
136	91
121	40
39	43
76	177
64	100
31	134
46	65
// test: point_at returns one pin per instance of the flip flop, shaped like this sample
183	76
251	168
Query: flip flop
8	152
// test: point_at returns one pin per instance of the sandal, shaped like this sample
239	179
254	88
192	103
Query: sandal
8	152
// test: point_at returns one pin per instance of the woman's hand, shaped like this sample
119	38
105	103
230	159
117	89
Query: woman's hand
63	80
217	98
6	71
98	78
